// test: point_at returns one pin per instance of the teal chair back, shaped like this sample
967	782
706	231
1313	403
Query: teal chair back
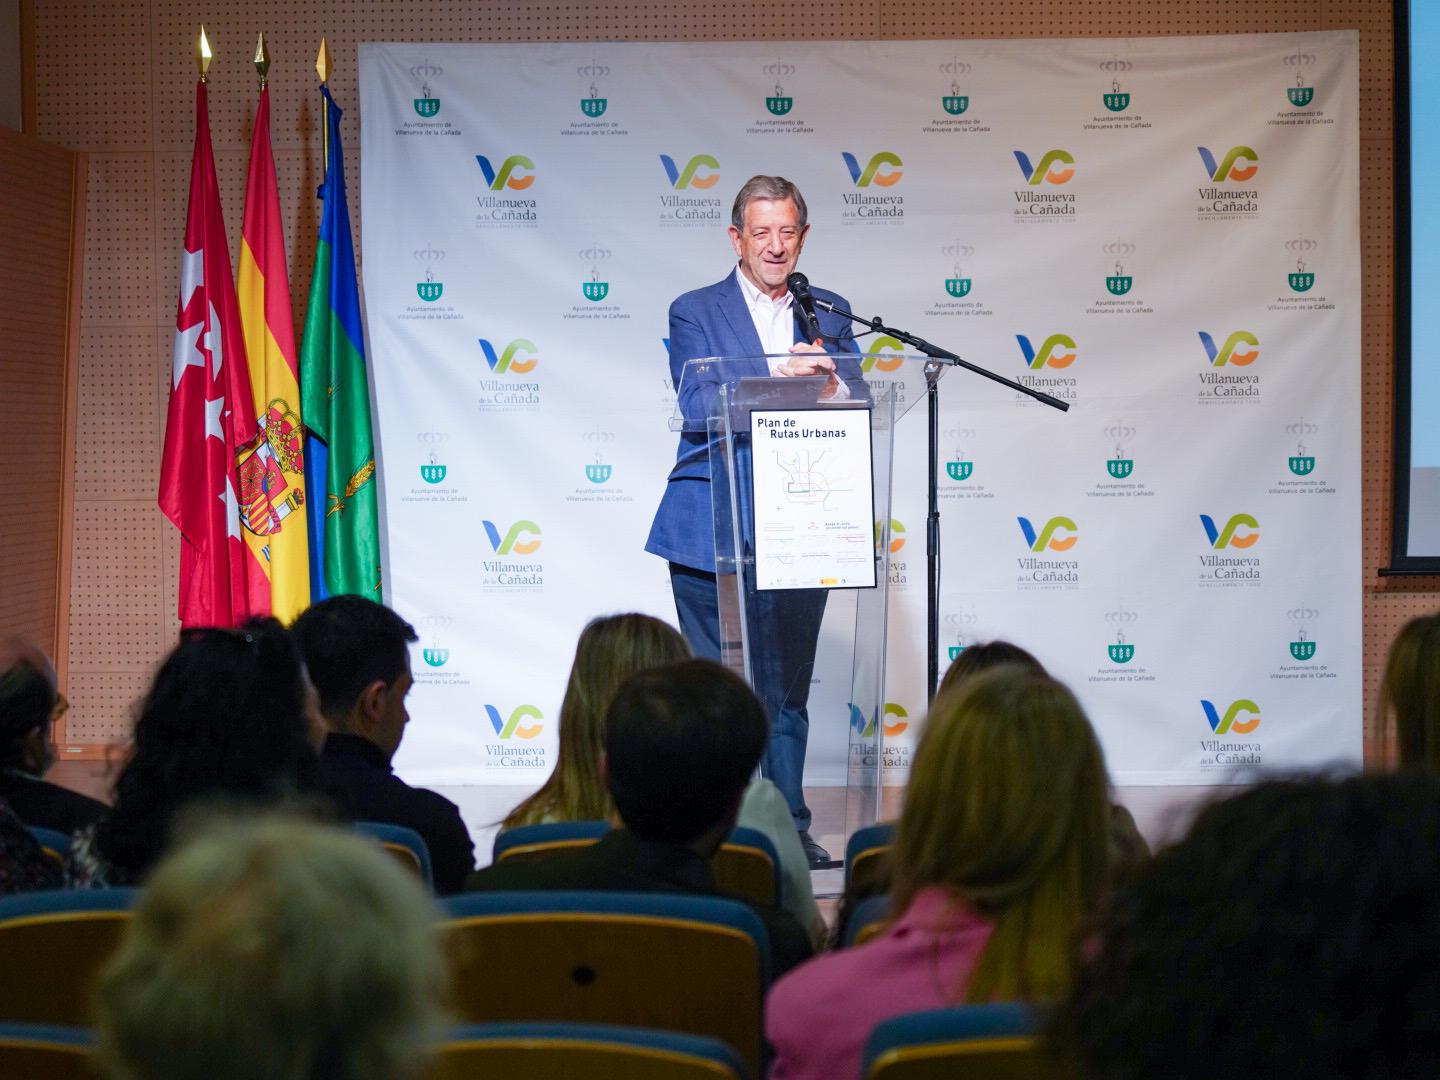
867	854
693	964
54	843
746	865
977	1042
591	1051
406	845
53	945
548	838
867	920
46	1052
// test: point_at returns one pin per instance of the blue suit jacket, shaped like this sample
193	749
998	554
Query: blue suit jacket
714	321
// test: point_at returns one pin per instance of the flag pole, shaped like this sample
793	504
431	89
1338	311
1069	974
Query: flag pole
322	68
262	60
203	55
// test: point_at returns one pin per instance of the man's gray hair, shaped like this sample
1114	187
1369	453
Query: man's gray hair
274	948
766	187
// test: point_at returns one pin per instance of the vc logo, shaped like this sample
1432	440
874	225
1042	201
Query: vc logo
1231	168
517	724
690	175
871	174
1057	351
1228	353
511	544
1052	168
506	176
1046	538
879	355
895	721
897	535
505	361
1230	535
1230	722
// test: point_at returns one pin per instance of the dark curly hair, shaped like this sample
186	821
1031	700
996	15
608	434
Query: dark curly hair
1294	932
223	720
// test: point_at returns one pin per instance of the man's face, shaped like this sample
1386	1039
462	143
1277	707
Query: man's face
392	713
769	245
315	727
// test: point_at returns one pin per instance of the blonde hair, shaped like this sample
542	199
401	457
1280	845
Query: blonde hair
1007	809
610	650
274	949
1408	724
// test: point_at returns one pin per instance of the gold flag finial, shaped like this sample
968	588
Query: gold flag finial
262	59
203	55
322	62
322	68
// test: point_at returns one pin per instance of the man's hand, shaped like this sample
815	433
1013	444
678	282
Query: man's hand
808	359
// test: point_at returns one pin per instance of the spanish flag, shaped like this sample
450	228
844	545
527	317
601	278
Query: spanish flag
272	476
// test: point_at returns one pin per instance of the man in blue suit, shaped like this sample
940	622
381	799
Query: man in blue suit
750	313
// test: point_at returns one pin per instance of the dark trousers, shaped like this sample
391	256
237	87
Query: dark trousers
785	628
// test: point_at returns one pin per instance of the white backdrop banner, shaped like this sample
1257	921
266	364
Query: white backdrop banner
1164	232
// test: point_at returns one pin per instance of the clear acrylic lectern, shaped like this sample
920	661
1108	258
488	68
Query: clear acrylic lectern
789	488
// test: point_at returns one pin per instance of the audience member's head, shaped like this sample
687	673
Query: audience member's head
1410	694
977	658
29	702
1006	807
358	656
610	650
230	716
1294	932
274	949
681	744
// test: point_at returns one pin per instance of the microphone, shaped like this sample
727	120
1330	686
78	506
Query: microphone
799	286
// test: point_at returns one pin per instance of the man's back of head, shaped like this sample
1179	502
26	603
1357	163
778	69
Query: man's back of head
27	704
358	657
274	947
682	742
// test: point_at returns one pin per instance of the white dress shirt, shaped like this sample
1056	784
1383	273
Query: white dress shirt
775	323
774	320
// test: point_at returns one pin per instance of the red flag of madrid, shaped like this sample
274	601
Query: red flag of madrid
211	415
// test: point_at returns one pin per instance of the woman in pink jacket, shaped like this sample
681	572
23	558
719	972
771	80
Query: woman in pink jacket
1000	861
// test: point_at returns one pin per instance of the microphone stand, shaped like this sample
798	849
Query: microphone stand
939	358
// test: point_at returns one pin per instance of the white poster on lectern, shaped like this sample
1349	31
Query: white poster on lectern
1162	232
814	499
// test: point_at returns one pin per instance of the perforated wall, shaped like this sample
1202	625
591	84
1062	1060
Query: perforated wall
37	216
117	80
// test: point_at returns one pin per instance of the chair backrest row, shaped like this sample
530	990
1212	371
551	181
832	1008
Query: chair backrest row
979	1042
693	964
746	865
406	845
557	1051
538	1051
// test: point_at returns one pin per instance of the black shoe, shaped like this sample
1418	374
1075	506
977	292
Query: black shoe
817	856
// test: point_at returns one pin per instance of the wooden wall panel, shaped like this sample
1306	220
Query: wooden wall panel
38	218
117	80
